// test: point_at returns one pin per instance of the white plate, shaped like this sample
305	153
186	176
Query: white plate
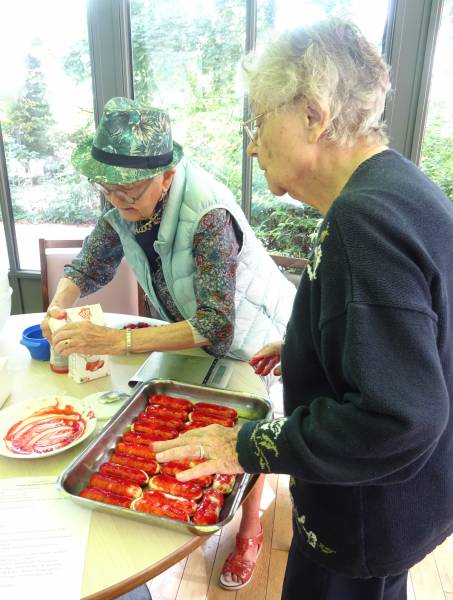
18	412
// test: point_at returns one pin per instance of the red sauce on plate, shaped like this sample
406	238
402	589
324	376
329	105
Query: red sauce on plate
46	430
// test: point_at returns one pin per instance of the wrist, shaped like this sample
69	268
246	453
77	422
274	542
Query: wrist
115	341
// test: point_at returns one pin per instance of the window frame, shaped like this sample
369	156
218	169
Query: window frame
409	48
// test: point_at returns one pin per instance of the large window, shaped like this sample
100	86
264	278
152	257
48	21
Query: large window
285	225
46	105
437	147
184	59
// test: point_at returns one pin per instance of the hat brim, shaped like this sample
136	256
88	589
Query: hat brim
97	171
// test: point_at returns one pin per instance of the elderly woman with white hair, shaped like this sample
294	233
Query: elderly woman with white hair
367	361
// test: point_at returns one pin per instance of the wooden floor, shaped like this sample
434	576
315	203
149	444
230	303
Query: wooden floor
196	577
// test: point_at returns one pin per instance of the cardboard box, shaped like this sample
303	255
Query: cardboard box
84	368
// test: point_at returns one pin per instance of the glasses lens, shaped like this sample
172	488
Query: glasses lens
98	187
252	133
124	197
119	194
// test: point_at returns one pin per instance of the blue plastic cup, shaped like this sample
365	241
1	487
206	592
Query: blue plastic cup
37	345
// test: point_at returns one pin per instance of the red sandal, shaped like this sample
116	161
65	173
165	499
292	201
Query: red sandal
236	564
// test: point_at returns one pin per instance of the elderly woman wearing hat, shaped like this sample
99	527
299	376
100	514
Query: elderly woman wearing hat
367	362
188	242
190	246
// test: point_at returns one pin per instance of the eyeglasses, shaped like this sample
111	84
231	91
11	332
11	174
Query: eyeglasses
252	129
120	194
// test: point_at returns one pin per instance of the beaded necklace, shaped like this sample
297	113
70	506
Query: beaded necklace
145	225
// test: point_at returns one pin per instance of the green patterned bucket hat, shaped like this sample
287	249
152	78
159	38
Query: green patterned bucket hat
132	142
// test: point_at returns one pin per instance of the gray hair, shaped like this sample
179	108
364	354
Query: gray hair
330	64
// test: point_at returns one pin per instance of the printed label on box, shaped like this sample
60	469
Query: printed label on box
83	367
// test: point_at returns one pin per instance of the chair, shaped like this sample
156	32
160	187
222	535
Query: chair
121	295
292	268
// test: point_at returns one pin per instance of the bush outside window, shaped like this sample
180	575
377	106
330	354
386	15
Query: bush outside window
437	147
45	107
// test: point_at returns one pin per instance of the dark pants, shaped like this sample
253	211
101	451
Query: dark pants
139	593
305	580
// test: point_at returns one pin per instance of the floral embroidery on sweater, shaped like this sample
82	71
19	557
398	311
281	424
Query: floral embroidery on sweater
315	259
264	437
312	538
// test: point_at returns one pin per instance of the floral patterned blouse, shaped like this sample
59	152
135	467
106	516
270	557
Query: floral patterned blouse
215	249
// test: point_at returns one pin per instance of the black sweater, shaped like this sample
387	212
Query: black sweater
368	378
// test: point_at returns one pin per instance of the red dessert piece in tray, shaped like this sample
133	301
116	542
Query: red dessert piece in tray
171	402
128	473
157	424
159	411
149	466
159	498
170	485
106	497
121	487
156	504
138	438
208	510
215	409
156	434
135	450
209	419
167	421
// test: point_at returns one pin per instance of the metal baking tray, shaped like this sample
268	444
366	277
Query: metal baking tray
76	476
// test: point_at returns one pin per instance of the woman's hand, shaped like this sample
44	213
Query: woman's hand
87	338
55	311
267	359
215	443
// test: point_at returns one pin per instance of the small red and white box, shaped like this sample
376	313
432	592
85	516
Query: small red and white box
84	367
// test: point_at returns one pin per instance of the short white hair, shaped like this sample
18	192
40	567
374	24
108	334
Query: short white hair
330	64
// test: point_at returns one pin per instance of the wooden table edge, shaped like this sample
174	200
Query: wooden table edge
126	585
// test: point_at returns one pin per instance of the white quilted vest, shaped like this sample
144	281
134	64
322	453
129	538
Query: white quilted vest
264	297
